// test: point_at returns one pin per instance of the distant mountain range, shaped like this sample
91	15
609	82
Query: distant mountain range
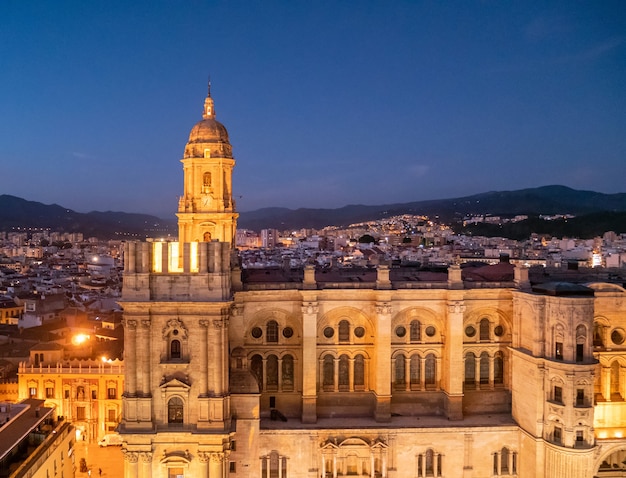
546	200
606	211
17	214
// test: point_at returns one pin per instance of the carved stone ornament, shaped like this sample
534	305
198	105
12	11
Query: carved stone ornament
130	456
456	307
310	308
175	324
217	457
383	308
130	324
146	457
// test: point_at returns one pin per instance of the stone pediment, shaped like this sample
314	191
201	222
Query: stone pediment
173	385
177	457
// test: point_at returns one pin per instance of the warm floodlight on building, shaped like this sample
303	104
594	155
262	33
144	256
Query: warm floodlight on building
80	339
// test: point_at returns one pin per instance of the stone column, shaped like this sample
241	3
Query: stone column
606	383
130	351
309	359
204	458
477	372
453	357
407	373
145	354
491	372
336	375
204	358
216	465
218	356
146	462
351	374
383	362
130	464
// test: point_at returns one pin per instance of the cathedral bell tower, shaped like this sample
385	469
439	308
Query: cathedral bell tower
177	299
206	210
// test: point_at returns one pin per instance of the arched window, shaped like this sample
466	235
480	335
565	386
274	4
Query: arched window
504	460
329	372
430	369
287	373
470	368
256	367
581	339
271	368
416	363
415	330
344	372
430	468
498	368
272	331
175	410
399	378
206	179
175	349
484	329
598	335
615	385
429	463
484	367
344	331
359	372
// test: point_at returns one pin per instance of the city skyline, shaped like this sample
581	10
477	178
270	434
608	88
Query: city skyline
326	104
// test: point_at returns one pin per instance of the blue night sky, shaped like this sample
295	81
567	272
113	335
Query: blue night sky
326	103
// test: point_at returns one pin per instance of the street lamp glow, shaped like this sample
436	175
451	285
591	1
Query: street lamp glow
80	339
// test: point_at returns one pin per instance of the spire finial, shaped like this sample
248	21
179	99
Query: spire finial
208	103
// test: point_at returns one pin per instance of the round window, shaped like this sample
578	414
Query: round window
257	332
470	331
498	330
287	332
329	332
359	332
400	331
175	332
617	336
430	331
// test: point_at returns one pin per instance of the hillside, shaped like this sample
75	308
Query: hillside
17	213
595	213
532	202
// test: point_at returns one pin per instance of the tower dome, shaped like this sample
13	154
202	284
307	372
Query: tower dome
208	136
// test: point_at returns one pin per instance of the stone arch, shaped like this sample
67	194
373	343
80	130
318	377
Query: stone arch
355	317
601	326
424	315
610	454
175	340
496	317
283	319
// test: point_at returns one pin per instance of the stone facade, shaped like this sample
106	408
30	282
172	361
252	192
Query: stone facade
392	379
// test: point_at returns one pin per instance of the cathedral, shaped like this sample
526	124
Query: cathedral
394	375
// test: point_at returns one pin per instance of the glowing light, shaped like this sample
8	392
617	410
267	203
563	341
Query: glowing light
619	434
80	339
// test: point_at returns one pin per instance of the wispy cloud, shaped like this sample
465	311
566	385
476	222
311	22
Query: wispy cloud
544	27
593	52
79	155
418	170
